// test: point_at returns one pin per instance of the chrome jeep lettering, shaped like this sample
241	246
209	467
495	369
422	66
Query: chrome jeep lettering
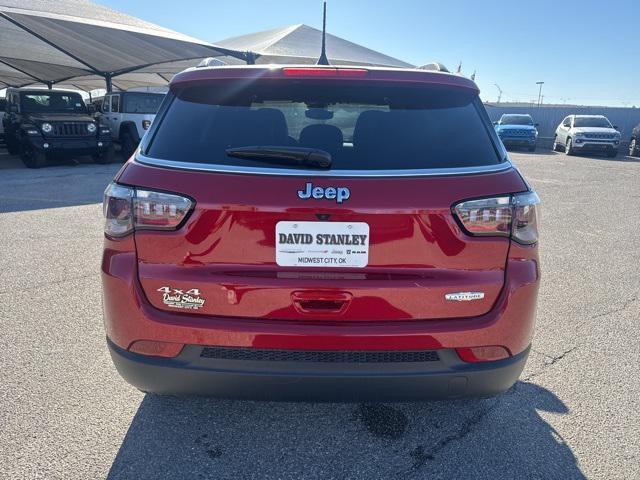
339	194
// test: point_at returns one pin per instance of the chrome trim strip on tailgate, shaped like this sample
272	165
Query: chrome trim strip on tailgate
203	167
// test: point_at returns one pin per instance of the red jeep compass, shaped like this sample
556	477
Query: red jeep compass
320	233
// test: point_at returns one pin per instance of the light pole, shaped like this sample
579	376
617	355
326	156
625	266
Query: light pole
499	92
539	93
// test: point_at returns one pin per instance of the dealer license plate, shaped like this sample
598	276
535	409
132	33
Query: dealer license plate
322	244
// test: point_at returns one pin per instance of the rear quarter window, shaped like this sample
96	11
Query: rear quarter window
363	127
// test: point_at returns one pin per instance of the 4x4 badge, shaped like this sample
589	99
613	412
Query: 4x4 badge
339	194
178	298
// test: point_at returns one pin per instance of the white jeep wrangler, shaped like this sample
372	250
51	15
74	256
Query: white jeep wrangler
129	115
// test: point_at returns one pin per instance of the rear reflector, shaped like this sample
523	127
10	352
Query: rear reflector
482	354
127	209
510	215
156	349
323	72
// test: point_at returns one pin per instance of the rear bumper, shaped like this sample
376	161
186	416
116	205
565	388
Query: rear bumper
129	318
191	374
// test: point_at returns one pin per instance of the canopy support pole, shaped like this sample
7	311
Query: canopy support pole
250	58
107	79
49	85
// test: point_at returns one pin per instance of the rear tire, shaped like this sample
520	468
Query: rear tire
32	157
633	148
103	157
532	149
127	145
612	154
568	147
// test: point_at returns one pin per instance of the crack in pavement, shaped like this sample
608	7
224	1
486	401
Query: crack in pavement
549	361
421	456
552	359
615	310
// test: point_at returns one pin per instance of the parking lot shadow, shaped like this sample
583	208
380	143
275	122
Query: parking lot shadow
53	187
503	437
620	158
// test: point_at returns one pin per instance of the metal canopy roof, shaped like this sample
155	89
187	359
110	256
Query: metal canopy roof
44	41
301	44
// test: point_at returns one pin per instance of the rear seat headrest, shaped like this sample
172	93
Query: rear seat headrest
370	125
324	137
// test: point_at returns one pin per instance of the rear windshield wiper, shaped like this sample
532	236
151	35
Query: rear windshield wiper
298	156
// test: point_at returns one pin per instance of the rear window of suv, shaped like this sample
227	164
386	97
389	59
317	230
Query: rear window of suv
147	103
363	127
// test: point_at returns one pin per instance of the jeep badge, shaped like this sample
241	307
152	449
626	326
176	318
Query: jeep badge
339	194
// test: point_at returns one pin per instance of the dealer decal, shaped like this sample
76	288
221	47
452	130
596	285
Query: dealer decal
322	244
185	299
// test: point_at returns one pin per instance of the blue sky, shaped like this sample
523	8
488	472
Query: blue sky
586	52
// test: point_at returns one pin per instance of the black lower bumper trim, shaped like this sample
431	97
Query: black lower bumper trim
191	374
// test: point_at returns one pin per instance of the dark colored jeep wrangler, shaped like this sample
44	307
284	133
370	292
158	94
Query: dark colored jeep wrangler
42	124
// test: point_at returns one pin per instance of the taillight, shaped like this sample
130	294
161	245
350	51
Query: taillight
127	209
487	216
158	210
117	210
508	216
525	218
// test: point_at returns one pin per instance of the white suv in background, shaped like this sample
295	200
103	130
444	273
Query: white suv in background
582	133
129	115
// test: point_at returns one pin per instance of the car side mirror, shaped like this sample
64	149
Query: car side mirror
616	127
536	124
91	109
495	123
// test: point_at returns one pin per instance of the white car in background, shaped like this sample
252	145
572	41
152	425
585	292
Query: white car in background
129	115
582	133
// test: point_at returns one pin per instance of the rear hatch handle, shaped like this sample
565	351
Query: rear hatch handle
321	303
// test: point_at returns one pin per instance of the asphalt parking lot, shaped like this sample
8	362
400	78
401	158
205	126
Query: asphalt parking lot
66	414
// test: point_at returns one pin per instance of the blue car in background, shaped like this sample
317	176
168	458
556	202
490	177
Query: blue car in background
517	130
